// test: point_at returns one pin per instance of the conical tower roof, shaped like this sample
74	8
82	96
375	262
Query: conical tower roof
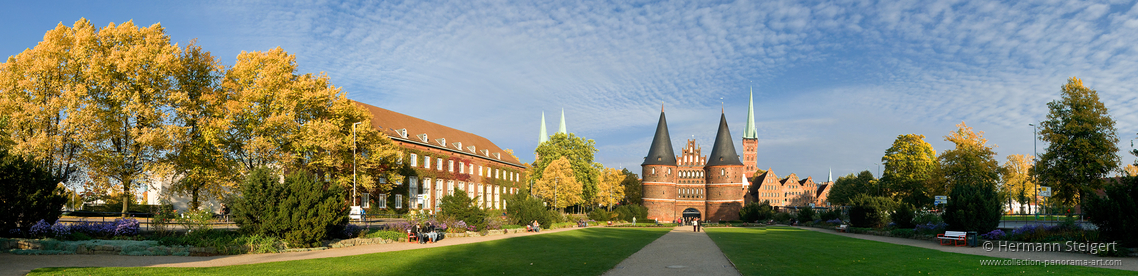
561	128
660	153
723	151
749	131
543	136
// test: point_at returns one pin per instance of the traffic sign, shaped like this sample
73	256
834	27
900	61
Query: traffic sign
1045	191
941	200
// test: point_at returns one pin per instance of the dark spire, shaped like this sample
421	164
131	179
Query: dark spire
723	151
661	152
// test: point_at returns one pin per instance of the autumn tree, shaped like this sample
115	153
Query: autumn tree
609	190
558	185
41	91
196	165
1081	143
970	174
1130	170
578	151
909	164
1017	184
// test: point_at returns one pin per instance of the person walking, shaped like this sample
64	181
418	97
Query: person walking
695	225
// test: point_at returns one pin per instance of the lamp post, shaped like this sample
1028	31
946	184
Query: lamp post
354	203
1035	148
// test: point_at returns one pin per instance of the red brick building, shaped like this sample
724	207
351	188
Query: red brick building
438	160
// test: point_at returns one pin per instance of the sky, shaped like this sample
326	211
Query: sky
834	82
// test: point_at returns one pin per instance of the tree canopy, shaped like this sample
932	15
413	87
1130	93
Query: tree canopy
909	164
579	153
558	186
1081	139
846	188
1017	183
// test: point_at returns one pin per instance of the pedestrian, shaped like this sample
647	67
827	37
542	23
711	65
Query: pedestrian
225	212
695	225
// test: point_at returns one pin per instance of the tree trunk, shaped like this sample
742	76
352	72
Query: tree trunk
125	196
194	204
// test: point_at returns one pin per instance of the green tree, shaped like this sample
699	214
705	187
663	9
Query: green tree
633	189
31	193
578	151
196	160
523	209
850	186
1116	213
757	212
609	190
459	206
1081	143
871	211
909	164
302	210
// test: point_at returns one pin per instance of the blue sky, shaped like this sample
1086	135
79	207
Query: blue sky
835	82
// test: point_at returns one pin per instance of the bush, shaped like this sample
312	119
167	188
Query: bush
832	214
602	215
388	235
40	229
926	217
973	207
994	235
300	211
61	230
903	216
930	228
903	233
628	211
870	211
1116	214
806	214
461	207
194	221
756	212
782	217
521	209
30	194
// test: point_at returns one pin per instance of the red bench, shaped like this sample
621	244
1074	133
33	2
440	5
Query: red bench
956	237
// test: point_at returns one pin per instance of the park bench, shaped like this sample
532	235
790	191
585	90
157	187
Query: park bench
842	228
412	236
956	237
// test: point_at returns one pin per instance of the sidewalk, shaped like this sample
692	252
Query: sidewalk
11	264
680	252
1130	264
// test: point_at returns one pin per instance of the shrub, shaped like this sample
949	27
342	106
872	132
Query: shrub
125	227
926	217
903	233
903	216
806	214
757	211
832	214
30	194
300	210
601	215
521	209
60	230
494	222
461	207
782	217
973	207
628	211
388	235
194	221
870	211
1116	213
930	228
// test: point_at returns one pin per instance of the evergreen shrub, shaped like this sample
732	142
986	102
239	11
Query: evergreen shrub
903	216
521	209
301	210
806	214
870	211
973	207
1116	213
30	194
461	207
628	211
757	212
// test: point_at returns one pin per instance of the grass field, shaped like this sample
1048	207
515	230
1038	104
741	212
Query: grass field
792	251
580	252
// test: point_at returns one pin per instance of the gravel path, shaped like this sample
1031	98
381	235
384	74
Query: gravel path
680	252
11	264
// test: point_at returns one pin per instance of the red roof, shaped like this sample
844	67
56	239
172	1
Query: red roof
390	122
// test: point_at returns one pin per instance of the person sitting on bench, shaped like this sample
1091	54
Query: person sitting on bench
431	235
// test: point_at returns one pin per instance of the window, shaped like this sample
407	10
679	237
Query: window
479	170
450	165
381	200
439	164
450	187
653	170
426	162
398	201
438	192
471	168
399	159
365	201
461	168
413	185
414	160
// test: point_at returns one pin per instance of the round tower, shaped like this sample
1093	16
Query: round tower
725	178
660	175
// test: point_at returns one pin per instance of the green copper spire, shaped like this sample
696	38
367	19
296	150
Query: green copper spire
561	128
749	132
543	136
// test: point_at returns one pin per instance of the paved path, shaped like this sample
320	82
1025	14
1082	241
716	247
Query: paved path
11	264
1127	263
680	252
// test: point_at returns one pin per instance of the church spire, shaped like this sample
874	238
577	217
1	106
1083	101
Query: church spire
831	178
543	136
749	132
723	151
561	128
660	152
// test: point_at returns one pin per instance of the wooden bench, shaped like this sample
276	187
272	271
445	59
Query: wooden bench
411	236
956	237
842	228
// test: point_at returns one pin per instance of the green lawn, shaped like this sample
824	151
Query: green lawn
792	251
580	252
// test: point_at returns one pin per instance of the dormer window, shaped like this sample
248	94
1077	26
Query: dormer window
442	142
457	145
471	148
486	153
402	133
423	137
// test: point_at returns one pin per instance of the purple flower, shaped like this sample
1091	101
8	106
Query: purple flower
60	229
994	235
125	227
40	229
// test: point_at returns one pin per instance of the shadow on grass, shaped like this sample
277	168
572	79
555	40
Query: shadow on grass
580	252
793	251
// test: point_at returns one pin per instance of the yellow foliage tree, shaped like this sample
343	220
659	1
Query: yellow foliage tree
609	190
558	185
1017	184
1130	170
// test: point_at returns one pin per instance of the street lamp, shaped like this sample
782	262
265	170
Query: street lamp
354	203
1035	148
